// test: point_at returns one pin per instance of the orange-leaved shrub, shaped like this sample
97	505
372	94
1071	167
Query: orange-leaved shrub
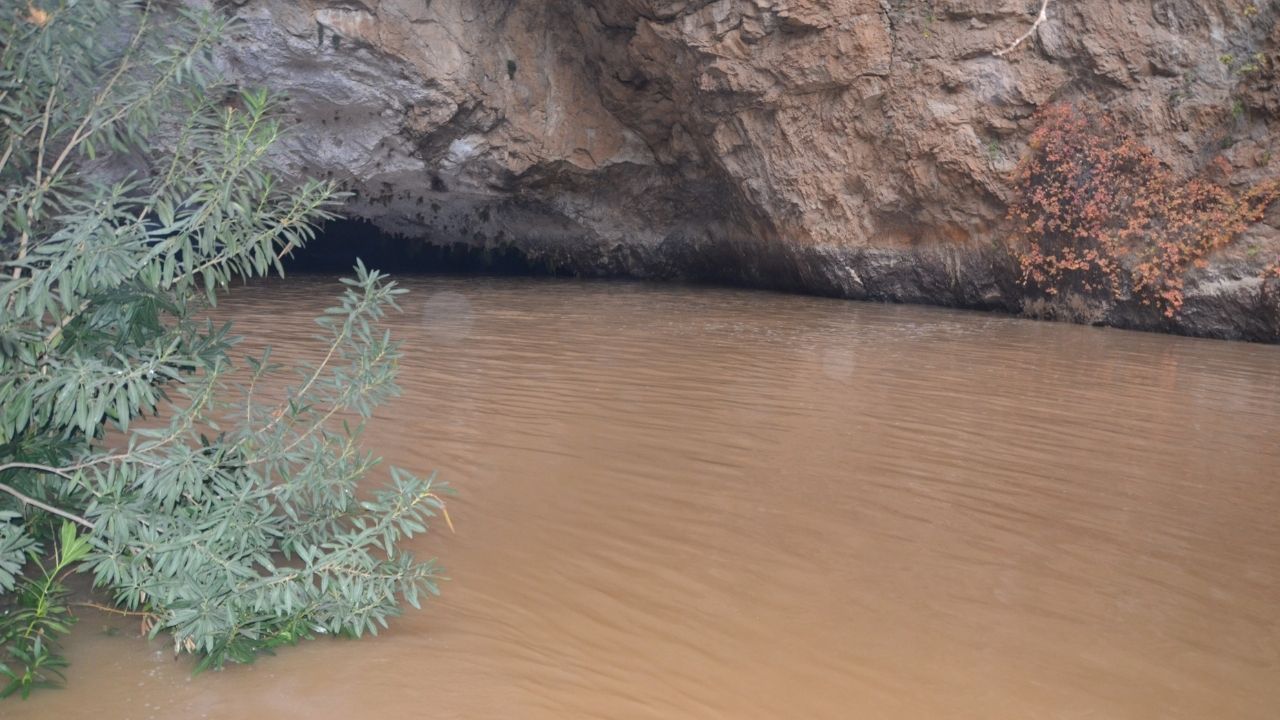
1096	213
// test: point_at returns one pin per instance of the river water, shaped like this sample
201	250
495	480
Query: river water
705	503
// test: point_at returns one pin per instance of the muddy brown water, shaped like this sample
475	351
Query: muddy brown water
704	503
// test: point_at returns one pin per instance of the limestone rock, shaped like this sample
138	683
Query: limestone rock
859	148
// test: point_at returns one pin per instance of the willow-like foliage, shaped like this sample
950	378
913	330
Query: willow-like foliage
134	188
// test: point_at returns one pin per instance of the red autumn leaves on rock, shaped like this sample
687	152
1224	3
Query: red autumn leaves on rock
1098	214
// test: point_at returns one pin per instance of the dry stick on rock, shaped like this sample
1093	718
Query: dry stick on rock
1044	7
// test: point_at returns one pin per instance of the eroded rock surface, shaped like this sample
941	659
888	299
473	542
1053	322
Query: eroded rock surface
860	148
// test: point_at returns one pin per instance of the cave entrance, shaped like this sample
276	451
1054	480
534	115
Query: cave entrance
339	242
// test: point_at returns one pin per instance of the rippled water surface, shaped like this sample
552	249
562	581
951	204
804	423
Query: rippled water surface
701	503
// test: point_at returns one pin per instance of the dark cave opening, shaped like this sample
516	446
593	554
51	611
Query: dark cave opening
338	243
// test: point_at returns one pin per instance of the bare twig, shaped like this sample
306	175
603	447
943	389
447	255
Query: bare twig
8	150
61	472
66	471
44	128
47	508
443	509
1044	15
25	238
63	323
115	611
80	132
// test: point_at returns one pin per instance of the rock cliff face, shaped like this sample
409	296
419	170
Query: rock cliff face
860	148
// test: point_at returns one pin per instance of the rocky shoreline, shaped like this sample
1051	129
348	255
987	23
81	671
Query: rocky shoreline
852	148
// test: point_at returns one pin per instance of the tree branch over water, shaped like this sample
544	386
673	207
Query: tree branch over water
44	506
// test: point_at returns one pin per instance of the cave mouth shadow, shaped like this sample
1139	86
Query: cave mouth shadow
339	242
